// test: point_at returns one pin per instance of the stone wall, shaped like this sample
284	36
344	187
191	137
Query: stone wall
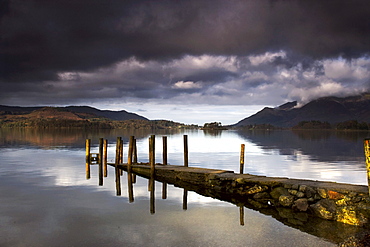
344	203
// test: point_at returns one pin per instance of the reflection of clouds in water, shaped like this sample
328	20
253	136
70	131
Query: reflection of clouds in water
302	167
49	192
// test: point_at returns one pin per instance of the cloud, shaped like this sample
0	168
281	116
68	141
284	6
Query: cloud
39	39
186	85
267	57
341	69
189	52
222	80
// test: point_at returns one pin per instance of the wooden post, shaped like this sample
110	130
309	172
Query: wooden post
130	153
117	170
186	154
121	154
367	159
105	160
100	161
152	173
164	139
135	152
242	148
151	159
121	151
129	174
164	185
152	152
134	161
88	143
117	150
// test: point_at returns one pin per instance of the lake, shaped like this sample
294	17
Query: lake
46	199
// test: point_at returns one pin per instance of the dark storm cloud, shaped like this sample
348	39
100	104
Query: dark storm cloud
41	38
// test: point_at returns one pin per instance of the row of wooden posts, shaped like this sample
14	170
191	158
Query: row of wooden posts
101	158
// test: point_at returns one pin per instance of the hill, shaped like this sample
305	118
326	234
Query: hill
327	109
79	117
82	112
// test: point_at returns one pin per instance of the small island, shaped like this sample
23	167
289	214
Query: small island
213	126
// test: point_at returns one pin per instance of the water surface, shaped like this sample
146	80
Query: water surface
46	200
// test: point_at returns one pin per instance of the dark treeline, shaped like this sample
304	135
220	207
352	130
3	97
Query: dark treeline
258	127
346	125
314	124
50	123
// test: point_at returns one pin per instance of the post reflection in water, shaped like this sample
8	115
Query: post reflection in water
281	215
241	212
185	200
151	189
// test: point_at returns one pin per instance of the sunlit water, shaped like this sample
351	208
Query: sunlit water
47	201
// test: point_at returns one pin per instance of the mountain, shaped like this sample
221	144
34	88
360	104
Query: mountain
69	112
326	109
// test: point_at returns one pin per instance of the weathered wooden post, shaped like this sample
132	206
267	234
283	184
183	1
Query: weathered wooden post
105	160
129	174
151	159
164	185
134	161
87	144
135	151
121	154
186	154
100	161
367	159
152	173
130	152
117	170
164	153
242	148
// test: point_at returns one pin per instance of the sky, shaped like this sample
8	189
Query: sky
192	61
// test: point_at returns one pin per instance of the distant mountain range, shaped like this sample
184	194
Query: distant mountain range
69	112
327	109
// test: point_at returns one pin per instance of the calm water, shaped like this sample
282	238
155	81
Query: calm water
46	200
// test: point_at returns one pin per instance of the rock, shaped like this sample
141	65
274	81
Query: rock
322	193
262	195
301	204
287	186
293	192
278	191
325	209
311	199
240	181
352	194
335	195
256	189
310	192
286	201
302	188
348	215
256	204
300	194
295	186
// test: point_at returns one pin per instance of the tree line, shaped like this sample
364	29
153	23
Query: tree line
51	123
